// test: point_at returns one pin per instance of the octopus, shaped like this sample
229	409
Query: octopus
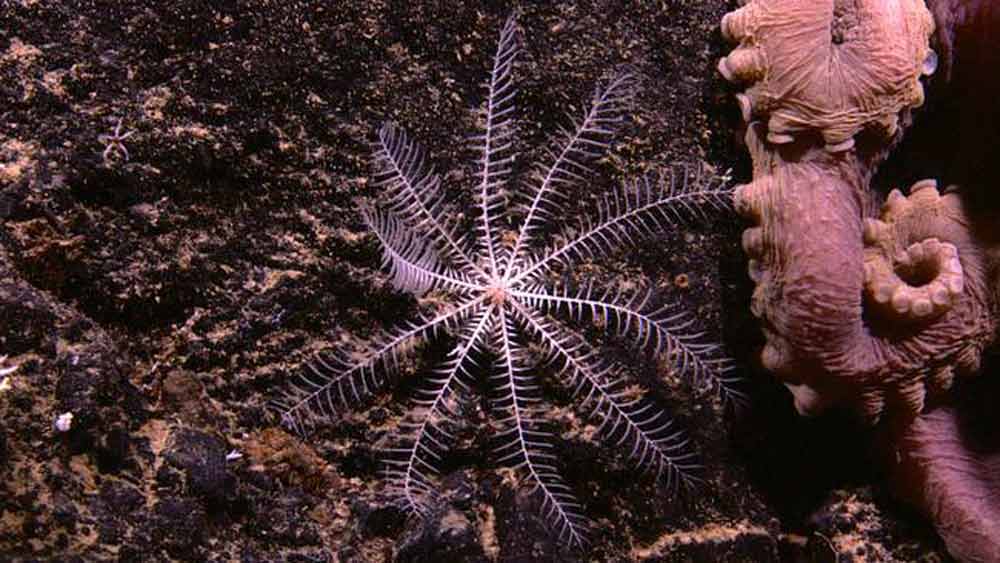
882	304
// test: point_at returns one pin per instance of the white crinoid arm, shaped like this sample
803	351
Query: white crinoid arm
413	465
495	144
660	329
627	419
523	445
415	194
412	261
336	382
569	160
637	210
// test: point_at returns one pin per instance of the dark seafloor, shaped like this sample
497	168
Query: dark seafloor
164	300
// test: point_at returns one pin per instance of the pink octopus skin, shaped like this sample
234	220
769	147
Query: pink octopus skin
879	310
827	66
947	463
808	259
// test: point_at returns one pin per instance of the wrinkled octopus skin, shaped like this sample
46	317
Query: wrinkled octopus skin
880	309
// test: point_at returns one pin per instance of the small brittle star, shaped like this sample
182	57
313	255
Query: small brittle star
115	142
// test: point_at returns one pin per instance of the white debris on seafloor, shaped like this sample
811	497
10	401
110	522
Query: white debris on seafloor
5	382
64	422
6	371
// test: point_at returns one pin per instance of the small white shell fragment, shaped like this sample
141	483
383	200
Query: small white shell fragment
64	422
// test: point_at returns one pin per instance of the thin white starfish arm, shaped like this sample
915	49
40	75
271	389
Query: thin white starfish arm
410	475
415	191
528	449
495	144
335	383
625	417
589	139
411	261
655	328
638	209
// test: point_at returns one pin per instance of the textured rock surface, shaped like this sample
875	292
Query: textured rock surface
161	300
